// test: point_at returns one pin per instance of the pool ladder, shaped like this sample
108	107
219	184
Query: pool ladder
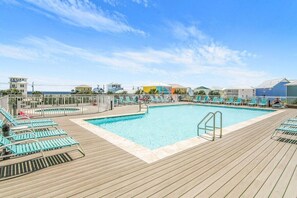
146	105
211	116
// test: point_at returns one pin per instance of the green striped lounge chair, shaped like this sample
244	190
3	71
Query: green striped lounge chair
158	99
153	99
164	99
38	123
253	102
263	102
214	100
290	123
127	100
28	134
121	100
33	146
238	101
285	129
230	101
293	119
198	99
134	99
221	100
205	99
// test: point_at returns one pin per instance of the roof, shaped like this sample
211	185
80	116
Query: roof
17	77
243	87
292	84
84	86
272	83
201	87
177	86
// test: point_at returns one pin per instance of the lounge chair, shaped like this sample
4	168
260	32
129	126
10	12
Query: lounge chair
263	102
135	99
205	99
289	123
198	99
218	101
153	99
127	100
158	99
285	129
230	101
278	106
163	100
253	102
214	100
238	102
32	146
38	123
292	119
27	134
121	100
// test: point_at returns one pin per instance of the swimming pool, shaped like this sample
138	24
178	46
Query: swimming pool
168	125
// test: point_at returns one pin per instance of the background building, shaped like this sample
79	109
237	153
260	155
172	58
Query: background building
246	93
175	88
202	88
113	87
160	87
83	89
19	83
274	88
241	92
292	92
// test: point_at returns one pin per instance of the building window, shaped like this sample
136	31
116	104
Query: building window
22	86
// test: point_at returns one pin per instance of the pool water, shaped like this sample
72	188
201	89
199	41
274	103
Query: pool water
167	125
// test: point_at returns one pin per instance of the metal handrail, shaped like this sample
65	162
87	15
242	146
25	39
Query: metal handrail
140	106
207	127
221	122
212	115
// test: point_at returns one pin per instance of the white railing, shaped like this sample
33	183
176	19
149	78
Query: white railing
4	102
59	105
286	101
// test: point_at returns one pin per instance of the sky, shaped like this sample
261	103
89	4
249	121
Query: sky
58	44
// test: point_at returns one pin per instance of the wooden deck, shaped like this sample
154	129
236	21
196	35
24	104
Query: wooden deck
244	163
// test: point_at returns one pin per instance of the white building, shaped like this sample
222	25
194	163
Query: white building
19	83
113	87
202	88
246	92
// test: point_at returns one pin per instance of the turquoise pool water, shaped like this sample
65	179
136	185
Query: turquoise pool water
170	124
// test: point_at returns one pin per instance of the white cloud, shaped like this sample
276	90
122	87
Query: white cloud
175	63
112	2
18	52
183	32
84	13
143	2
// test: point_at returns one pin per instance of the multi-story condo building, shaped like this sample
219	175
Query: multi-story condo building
113	87
19	83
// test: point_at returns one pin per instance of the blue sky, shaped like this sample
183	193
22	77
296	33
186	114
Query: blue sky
217	43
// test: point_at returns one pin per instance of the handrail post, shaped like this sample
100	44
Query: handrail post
214	128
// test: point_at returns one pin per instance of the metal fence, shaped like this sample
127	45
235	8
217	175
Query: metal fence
59	105
286	101
130	99
4	102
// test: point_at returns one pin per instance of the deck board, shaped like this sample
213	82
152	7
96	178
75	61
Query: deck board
243	163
